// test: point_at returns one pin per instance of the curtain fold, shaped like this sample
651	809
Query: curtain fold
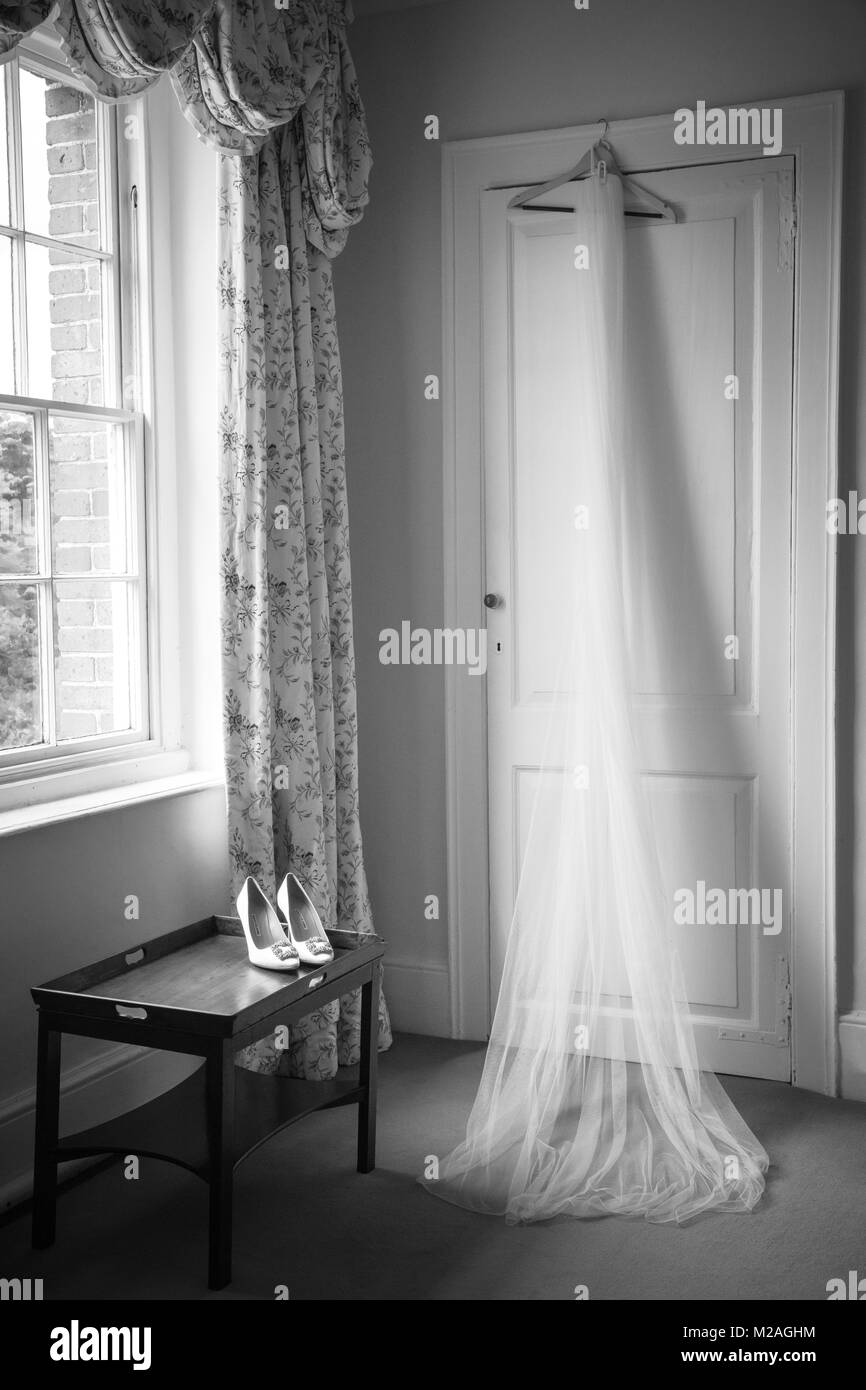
17	21
252	67
334	156
239	68
120	47
288	658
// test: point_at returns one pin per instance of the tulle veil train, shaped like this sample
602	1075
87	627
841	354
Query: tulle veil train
592	1100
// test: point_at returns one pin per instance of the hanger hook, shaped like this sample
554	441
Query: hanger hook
605	127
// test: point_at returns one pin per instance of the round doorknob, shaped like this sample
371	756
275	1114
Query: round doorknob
492	601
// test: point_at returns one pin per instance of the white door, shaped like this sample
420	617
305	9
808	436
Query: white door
708	545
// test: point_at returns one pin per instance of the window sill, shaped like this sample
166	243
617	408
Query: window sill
16	820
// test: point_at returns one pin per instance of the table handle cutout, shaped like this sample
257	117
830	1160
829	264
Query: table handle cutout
316	980
133	957
126	1012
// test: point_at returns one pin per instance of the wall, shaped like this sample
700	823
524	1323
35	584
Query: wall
64	885
491	68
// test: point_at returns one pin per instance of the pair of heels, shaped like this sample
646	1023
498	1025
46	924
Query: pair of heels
280	941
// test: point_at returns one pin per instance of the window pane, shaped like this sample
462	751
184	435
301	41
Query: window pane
88	496
4	152
95	626
7	355
18	553
64	326
59	138
20	704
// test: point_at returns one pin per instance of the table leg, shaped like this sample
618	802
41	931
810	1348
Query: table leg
221	1155
47	1129
369	1068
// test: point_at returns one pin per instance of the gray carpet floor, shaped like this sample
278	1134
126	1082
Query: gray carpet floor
305	1219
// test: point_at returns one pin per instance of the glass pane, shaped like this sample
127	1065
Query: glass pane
18	554
64	326
59	139
20	702
7	355
95	626
4	151
87	481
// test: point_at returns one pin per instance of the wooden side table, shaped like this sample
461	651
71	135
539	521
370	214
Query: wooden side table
194	991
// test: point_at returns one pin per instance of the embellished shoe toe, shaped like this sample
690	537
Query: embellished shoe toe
267	943
303	923
285	952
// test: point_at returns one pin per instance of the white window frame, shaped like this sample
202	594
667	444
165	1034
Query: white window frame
47	783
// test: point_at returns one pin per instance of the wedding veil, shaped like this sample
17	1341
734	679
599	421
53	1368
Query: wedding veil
592	1099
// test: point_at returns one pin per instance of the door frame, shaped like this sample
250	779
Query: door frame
813	133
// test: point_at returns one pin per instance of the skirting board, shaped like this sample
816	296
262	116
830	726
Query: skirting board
418	998
106	1085
852	1053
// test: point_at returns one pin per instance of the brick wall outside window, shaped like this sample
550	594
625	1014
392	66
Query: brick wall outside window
80	473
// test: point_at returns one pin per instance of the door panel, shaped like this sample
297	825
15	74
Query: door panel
706	542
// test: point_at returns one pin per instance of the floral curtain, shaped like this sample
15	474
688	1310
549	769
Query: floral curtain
274	89
240	68
252	66
288	659
121	47
18	20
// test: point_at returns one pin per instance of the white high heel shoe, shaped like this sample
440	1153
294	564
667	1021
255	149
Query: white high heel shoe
303	923
267	943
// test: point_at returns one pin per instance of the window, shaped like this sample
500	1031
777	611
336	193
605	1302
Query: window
73	630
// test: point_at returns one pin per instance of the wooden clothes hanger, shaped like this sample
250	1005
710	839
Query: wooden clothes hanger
599	160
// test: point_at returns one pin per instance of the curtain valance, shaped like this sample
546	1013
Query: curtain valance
16	21
240	69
